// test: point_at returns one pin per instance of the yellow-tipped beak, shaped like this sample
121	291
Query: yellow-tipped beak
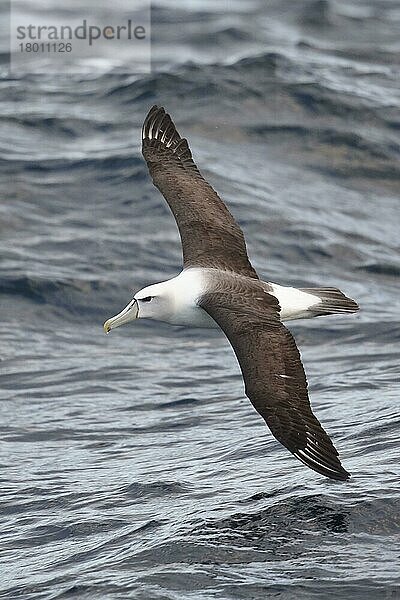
129	313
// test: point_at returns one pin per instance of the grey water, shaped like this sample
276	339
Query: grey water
132	465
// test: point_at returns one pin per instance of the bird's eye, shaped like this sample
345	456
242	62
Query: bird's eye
147	299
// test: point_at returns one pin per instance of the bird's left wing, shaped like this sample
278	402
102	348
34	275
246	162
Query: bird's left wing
272	371
210	235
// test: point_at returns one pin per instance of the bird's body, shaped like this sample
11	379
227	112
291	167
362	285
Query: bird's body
181	295
219	288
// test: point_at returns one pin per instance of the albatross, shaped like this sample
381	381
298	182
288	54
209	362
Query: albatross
218	287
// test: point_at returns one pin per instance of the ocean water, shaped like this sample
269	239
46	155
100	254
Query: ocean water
132	465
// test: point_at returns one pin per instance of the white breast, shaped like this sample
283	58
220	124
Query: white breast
187	288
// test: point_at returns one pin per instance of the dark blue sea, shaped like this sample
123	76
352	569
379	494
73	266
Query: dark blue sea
132	465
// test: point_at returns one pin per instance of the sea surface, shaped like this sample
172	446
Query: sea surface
132	465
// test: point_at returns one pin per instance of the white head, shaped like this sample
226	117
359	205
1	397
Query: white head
152	302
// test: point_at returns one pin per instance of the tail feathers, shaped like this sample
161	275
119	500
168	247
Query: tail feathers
332	301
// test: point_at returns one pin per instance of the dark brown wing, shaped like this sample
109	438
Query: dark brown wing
210	236
273	374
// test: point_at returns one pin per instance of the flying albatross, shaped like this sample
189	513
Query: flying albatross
218	287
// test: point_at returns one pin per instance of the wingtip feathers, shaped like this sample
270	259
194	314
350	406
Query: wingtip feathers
159	132
337	472
322	459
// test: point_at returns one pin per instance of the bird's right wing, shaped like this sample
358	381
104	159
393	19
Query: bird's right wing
210	236
272	370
